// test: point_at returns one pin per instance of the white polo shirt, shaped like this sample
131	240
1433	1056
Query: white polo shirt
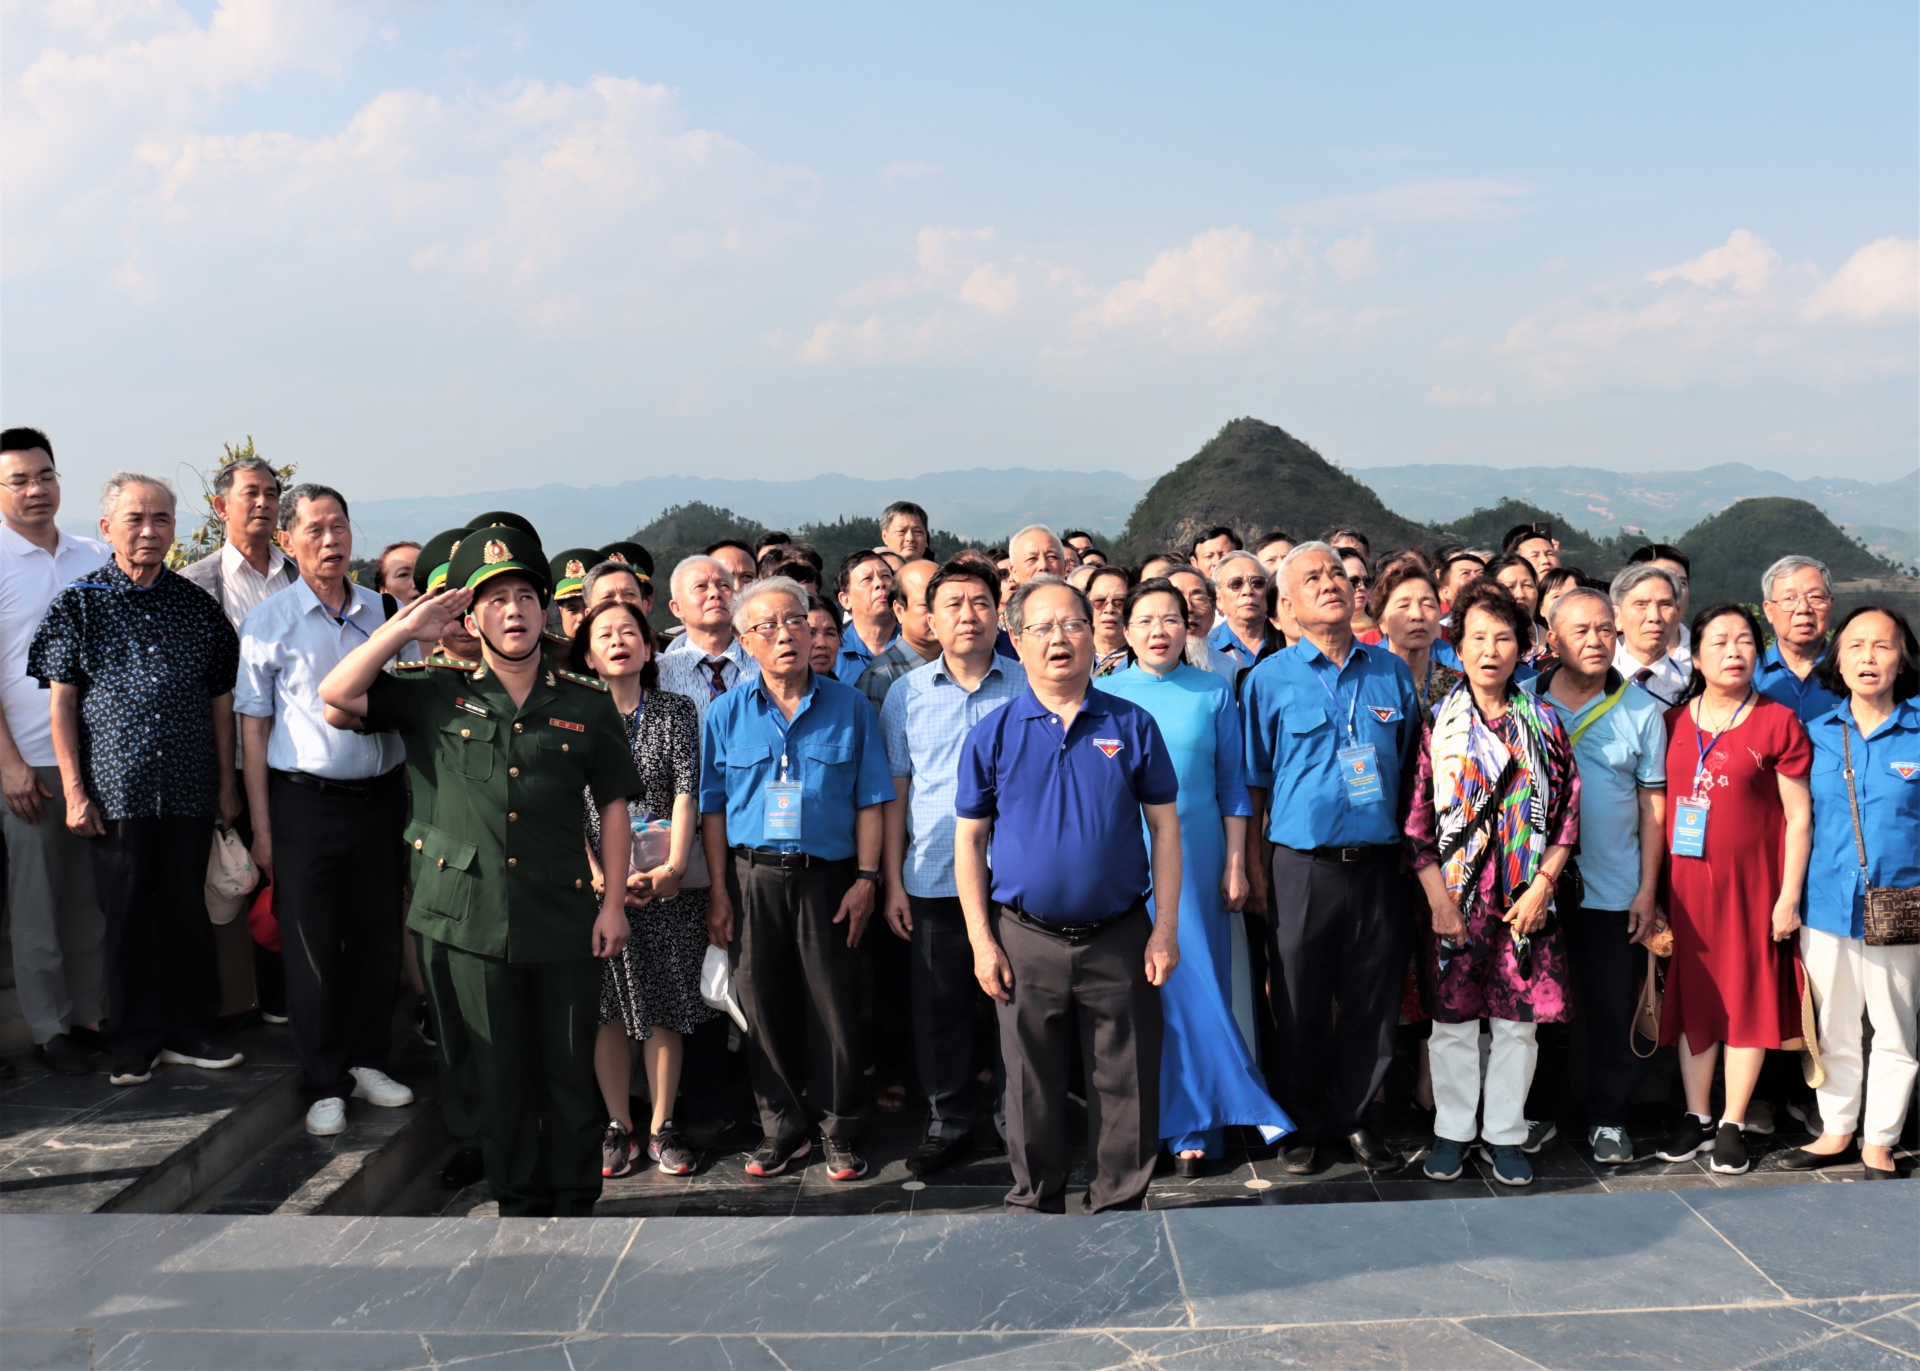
30	577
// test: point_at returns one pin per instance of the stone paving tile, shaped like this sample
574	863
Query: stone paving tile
31	1350
975	1351
1427	1342
1848	1350
116	1350
1900	1328
1824	1242
1694	1338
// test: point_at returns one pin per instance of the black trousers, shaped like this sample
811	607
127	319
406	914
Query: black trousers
890	1030
162	980
1341	934
799	986
1607	971
269	968
1095	995
945	997
339	868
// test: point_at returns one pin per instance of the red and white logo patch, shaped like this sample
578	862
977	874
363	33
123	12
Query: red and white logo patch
1906	771
1110	746
1382	713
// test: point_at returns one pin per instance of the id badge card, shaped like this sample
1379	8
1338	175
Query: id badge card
1359	768
783	811
1689	828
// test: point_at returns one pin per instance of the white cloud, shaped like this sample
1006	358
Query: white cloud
1457	395
1745	261
1879	282
1354	256
895	172
1477	201
1220	290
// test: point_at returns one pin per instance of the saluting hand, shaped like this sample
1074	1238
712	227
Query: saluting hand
429	617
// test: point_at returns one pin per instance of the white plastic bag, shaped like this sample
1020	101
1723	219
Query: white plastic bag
231	876
716	984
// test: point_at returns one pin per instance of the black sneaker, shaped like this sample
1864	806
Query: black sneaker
1729	1151
669	1151
770	1158
618	1148
63	1056
1690	1137
464	1168
843	1163
423	1023
136	1069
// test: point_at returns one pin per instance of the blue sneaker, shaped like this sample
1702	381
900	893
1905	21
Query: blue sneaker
1510	1164
1445	1160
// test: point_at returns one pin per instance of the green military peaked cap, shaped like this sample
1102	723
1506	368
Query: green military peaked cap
494	518
632	554
568	570
430	567
488	552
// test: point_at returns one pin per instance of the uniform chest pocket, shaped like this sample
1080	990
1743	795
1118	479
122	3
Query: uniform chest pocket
826	752
563	748
466	747
748	756
1308	720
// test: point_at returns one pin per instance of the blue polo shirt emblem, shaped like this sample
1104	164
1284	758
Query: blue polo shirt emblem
1383	714
1906	771
1110	746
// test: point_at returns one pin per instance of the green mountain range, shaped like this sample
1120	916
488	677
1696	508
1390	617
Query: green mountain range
1732	549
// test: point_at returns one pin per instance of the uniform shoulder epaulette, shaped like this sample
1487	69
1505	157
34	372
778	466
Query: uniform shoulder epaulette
453	663
590	682
410	666
557	639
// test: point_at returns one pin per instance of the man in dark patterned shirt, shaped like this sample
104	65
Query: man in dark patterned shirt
141	664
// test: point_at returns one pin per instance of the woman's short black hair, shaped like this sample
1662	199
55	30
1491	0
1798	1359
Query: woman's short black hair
1697	683
1126	578
1486	594
1906	681
583	639
830	609
1157	585
1507	561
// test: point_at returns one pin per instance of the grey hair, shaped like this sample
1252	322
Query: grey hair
1052	537
689	565
307	490
1632	576
1286	562
224	478
1237	555
759	590
607	568
1577	593
1786	566
1017	601
114	485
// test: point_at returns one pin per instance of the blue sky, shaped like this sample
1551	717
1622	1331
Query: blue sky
425	246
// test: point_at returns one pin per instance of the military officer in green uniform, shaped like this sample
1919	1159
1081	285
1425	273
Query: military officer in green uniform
641	561
567	571
503	901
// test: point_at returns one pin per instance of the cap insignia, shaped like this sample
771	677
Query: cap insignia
495	552
575	569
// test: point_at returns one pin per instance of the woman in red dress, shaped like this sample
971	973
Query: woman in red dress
1737	766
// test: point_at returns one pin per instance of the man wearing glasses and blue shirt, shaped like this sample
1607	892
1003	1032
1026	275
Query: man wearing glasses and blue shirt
1797	597
793	777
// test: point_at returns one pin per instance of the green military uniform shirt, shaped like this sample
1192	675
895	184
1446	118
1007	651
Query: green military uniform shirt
500	860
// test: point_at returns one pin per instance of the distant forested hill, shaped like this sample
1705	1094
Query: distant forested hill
1734	547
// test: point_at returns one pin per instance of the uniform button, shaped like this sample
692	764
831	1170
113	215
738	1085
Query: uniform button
512	818
442	863
513	771
513	861
419	843
516	728
578	884
566	747
466	733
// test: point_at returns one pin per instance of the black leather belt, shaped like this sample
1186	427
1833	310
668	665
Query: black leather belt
1346	854
1072	933
786	861
350	789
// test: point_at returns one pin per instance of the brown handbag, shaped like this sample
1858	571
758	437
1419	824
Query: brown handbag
1646	1012
1893	914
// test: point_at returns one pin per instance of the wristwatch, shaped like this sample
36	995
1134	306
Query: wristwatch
873	876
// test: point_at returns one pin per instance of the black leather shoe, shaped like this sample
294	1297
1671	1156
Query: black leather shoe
1190	1168
937	1154
1373	1154
1878	1173
464	1168
61	1055
1298	1158
1799	1159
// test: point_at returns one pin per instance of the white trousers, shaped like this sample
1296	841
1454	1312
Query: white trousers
1454	1055
1846	976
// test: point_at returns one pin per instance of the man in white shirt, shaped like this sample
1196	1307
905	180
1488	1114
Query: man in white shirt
707	660
58	963
329	808
1646	607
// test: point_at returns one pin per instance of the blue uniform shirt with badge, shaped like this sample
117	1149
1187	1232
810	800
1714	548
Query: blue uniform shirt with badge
836	766
1808	699
1887	780
1310	727
1068	845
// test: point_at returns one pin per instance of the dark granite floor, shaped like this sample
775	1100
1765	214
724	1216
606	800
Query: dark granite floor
1762	1277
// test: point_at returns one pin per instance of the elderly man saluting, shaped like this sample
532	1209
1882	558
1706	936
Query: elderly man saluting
1333	729
1056	781
792	780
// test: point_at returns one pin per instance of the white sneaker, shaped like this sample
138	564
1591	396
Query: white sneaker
327	1117
267	1016
377	1087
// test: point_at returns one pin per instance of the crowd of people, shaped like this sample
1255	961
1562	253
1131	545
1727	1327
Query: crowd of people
1211	841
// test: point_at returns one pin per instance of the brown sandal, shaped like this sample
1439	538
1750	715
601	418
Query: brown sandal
890	1099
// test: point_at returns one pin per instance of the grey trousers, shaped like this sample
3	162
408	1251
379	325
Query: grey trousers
59	961
1095	992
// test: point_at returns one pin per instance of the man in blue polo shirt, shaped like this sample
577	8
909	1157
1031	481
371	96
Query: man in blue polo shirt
1333	731
1056	781
1797	598
792	780
1619	739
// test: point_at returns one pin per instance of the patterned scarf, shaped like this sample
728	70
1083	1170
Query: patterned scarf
1469	756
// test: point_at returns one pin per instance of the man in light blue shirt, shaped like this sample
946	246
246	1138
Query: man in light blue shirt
328	810
925	721
1619	742
707	660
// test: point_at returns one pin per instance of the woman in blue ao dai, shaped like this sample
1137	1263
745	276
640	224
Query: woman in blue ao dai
1208	1078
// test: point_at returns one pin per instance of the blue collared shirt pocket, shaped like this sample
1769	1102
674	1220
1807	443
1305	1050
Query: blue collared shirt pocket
1310	722
466	747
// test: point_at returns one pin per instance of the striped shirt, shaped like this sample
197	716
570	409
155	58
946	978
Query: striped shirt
683	670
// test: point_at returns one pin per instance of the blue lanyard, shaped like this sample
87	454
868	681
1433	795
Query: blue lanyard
1353	705
1706	747
786	728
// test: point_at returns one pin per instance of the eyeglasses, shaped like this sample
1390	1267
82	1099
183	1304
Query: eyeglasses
1069	628
1813	601
1361	582
796	624
23	484
1239	583
1106	602
1146	623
